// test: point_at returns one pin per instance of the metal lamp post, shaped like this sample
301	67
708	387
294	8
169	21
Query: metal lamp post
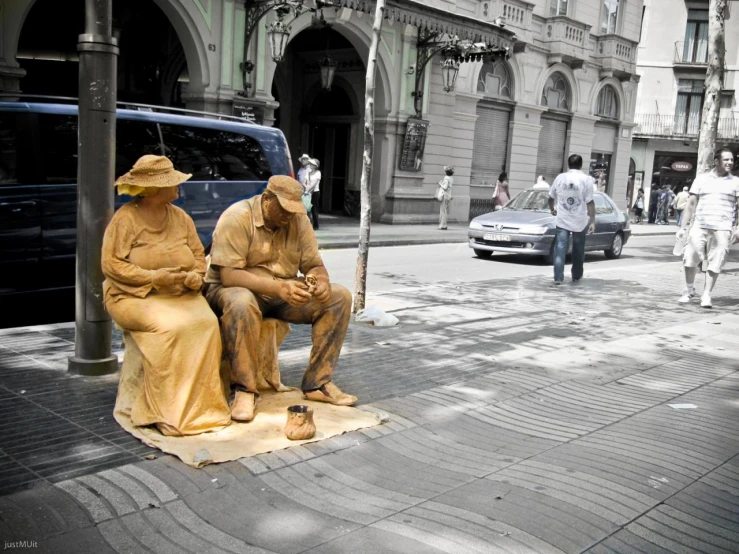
98	52
278	34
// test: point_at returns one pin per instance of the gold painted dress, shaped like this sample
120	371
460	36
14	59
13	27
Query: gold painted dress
173	327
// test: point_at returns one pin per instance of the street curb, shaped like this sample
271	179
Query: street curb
346	244
343	245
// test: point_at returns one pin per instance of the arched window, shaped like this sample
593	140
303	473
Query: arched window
556	93
607	103
495	80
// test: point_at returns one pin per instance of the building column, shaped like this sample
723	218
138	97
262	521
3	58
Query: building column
580	137
12	15
523	146
620	161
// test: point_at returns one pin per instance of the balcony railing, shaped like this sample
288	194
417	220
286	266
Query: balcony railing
691	52
682	126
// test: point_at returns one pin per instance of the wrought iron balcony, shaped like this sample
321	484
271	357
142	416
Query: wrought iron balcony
691	52
681	126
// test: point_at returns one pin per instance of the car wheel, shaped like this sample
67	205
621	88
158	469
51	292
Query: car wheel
617	246
484	254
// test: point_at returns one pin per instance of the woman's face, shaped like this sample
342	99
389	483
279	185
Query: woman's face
167	195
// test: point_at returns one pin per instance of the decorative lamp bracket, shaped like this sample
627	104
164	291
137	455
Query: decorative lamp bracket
455	52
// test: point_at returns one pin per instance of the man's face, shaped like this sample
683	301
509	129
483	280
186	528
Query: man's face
275	216
725	163
304	163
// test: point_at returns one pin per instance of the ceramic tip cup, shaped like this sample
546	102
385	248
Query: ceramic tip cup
300	424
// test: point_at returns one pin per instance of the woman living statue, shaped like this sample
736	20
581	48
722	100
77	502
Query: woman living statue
444	195
154	265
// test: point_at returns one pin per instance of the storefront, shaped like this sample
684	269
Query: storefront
601	158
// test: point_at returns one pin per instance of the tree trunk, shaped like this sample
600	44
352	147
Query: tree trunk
714	84
360	277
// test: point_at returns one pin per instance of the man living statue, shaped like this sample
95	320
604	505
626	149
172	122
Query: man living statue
713	201
259	245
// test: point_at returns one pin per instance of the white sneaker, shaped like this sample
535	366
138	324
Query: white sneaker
706	301
688	295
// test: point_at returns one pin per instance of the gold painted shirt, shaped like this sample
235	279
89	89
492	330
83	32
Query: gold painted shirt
242	241
132	250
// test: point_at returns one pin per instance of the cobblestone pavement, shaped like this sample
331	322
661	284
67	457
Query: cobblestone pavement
524	418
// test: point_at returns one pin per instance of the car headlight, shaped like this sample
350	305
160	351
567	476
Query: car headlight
532	230
475	225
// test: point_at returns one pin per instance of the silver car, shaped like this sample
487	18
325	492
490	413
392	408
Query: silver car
525	226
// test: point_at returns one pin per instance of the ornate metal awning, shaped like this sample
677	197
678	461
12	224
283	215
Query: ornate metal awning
435	20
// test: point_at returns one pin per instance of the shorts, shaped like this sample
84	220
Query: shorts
707	245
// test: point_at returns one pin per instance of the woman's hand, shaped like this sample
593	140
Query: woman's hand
194	281
168	276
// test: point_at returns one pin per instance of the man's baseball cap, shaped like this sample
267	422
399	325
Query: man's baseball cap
288	191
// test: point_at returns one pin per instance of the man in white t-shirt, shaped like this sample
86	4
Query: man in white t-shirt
713	200
572	192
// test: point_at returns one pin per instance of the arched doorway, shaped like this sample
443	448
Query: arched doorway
151	66
326	124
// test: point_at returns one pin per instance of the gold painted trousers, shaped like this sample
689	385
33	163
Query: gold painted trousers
241	312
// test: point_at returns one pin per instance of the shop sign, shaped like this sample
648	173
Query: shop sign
681	166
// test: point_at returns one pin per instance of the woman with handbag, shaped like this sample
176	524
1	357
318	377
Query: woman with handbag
501	194
444	195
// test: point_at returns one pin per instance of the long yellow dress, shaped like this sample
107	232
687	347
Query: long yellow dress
173	327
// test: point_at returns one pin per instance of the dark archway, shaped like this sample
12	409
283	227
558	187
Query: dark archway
151	66
323	124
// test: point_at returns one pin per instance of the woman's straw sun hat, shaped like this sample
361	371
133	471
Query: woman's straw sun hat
150	172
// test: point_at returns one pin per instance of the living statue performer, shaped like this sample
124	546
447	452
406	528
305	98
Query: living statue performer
154	266
259	246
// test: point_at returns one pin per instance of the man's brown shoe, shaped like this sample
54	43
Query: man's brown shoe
244	406
332	394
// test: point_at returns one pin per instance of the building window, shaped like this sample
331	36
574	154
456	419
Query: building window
494	80
609	18
607	103
558	7
689	106
695	47
556	93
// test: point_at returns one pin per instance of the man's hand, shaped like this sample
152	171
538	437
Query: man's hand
322	292
194	281
735	236
553	211
168	276
682	232
294	293
591	229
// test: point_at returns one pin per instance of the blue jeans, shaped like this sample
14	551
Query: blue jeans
679	217
561	242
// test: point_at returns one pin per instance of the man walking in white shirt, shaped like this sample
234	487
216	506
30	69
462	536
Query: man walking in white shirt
713	200
571	201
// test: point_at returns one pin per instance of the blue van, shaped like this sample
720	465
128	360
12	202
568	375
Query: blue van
229	158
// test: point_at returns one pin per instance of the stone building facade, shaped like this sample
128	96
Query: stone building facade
672	61
568	86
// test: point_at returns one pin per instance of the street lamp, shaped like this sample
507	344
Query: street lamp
455	52
278	32
328	69
449	71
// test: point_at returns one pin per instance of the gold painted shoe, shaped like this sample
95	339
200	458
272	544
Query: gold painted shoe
332	394
244	406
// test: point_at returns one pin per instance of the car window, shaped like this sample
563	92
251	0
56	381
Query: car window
59	147
537	200
211	154
8	150
601	205
133	140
